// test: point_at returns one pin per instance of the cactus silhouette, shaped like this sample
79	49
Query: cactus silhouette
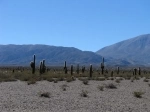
91	70
65	68
102	65
139	71
41	64
77	68
118	70
42	67
32	64
71	69
83	69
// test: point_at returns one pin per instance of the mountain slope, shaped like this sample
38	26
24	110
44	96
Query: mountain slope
136	49
22	55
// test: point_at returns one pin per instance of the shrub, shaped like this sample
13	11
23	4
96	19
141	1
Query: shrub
117	81
84	93
101	88
146	80
45	94
64	87
55	80
85	82
111	86
31	82
138	94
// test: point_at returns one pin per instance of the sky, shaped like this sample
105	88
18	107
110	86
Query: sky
88	25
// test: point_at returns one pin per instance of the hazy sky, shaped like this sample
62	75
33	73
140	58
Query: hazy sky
84	24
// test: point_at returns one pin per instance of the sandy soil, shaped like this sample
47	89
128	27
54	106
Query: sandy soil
20	97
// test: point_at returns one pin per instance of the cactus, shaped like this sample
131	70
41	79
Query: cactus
112	73
135	71
43	67
139	71
71	69
83	69
65	68
41	64
77	68
91	70
118	70
32	64
102	65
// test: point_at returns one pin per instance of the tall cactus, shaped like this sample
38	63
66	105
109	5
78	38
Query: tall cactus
135	71
118	70
83	69
41	64
139	71
77	68
65	68
91	70
42	67
102	65
32	64
71	70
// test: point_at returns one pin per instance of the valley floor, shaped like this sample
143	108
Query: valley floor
20	97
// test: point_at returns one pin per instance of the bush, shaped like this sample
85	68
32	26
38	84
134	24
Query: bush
138	94
84	93
101	88
111	86
46	95
146	80
85	82
64	87
117	81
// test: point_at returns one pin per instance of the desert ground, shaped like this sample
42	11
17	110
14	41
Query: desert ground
64	96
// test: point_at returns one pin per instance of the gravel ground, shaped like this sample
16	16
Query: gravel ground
21	97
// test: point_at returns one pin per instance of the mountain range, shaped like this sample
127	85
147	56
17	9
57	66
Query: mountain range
135	50
23	54
131	52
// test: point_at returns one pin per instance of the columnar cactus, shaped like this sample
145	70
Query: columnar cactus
41	64
102	65
91	70
135	71
83	69
42	67
71	70
118	70
65	68
32	64
77	68
139	71
112	73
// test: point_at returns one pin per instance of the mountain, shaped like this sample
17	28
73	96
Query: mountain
23	54
135	50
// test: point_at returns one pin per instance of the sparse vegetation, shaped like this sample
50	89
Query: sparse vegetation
117	80
138	94
85	82
101	88
84	93
45	94
111	86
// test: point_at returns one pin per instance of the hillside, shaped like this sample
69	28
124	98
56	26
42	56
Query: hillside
22	55
136	50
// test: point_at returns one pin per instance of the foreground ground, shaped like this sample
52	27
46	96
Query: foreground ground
20	97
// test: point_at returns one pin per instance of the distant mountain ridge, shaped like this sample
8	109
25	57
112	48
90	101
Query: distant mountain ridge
22	55
131	52
135	50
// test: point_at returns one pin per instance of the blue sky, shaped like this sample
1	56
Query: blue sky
84	24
